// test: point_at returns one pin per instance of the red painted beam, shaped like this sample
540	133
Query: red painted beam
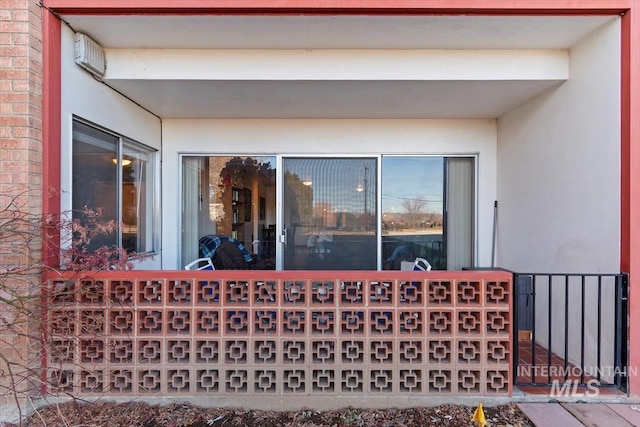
630	180
625	141
51	125
341	6
51	128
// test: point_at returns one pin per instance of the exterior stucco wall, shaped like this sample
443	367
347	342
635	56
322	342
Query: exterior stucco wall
87	98
559	183
559	168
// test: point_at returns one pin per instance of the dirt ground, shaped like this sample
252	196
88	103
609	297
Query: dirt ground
102	414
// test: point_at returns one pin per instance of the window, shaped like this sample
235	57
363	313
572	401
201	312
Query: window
427	211
413	211
115	175
334	213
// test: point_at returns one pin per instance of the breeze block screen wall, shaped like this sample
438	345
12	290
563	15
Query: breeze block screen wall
274	334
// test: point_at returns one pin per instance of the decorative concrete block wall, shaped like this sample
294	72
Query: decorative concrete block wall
275	334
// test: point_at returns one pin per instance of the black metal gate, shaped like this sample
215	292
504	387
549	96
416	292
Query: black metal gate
578	327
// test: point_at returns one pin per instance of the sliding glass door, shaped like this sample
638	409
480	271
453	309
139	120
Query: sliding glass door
330	213
333	213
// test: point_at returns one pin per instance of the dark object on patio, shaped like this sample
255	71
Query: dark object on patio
227	253
229	257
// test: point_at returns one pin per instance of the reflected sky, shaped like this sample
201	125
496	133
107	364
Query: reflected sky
411	178
344	183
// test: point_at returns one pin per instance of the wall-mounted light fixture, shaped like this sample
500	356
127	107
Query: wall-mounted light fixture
307	182
89	55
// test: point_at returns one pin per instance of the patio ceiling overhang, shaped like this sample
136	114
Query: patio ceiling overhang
196	66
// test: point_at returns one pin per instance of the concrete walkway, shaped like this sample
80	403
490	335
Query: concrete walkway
582	414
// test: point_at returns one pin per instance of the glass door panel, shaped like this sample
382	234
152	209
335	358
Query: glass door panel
329	214
413	211
231	199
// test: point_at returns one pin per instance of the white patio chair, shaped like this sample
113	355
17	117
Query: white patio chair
200	264
420	264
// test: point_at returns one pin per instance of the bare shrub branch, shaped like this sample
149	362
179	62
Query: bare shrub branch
24	236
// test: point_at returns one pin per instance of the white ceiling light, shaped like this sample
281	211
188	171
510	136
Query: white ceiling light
125	162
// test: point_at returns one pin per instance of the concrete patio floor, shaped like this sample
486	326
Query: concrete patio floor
582	414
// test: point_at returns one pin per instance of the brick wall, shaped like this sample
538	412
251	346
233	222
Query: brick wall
20	175
20	96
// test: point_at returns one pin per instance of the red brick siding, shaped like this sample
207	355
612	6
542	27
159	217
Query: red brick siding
20	99
20	174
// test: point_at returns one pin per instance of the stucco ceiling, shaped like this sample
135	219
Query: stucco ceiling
213	99
337	32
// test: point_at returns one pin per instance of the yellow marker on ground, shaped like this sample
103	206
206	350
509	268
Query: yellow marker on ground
478	416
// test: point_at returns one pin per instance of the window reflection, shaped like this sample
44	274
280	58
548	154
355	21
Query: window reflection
412	211
330	213
137	176
230	198
114	176
95	177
